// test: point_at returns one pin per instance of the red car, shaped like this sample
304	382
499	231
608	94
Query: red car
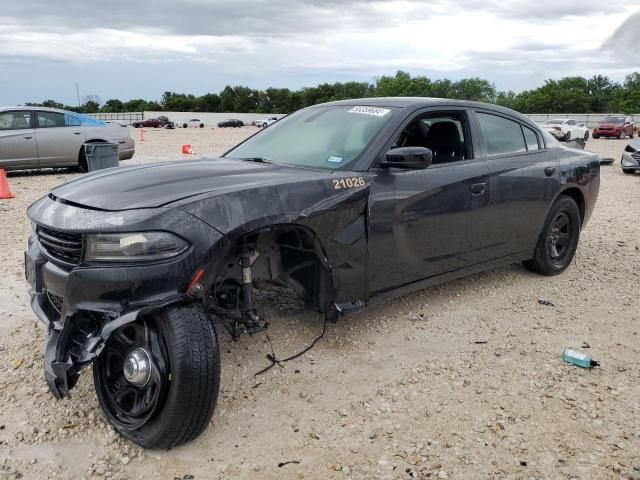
618	127
151	123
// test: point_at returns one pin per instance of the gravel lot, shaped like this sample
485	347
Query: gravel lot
462	380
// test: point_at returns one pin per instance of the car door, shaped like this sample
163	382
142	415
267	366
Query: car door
426	222
17	139
59	141
524	178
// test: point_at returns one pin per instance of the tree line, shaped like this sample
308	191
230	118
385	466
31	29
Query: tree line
598	94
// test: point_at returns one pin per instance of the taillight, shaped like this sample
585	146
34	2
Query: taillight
557	128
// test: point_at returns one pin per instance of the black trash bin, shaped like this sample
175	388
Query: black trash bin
101	155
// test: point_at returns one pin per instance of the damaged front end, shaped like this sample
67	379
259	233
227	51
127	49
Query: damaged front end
82	303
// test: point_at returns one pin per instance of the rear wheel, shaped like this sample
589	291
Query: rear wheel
558	241
567	136
157	379
596	136
622	135
586	136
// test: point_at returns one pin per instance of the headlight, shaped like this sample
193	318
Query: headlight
133	247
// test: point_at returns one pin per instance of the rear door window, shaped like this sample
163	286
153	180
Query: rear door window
50	119
501	135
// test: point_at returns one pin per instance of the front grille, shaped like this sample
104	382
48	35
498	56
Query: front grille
56	301
636	156
61	246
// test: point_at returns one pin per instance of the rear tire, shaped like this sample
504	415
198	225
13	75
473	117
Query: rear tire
567	136
622	135
181	392
586	135
595	137
558	240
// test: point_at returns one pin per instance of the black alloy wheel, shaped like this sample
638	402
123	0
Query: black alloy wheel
558	240
560	236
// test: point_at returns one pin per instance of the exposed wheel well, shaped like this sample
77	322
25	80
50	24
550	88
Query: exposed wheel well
283	256
577	195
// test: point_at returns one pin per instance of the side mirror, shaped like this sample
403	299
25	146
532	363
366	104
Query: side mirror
413	158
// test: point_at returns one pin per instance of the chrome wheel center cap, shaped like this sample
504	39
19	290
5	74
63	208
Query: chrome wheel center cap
137	367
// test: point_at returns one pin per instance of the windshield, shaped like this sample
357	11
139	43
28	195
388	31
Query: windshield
552	122
613	120
328	137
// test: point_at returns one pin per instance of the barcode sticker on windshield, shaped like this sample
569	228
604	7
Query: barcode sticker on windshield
375	111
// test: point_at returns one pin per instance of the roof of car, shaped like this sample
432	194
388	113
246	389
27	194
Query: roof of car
421	102
33	107
416	102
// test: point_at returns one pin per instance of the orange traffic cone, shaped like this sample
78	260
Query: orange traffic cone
186	149
5	191
142	134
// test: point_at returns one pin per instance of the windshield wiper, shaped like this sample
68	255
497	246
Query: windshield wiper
256	159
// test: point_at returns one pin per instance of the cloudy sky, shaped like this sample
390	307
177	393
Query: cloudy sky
127	49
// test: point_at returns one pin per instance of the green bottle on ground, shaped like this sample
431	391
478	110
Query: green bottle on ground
578	358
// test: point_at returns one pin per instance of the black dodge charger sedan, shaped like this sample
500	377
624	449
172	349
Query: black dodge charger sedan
346	203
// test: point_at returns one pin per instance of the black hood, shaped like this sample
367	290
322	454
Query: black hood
156	185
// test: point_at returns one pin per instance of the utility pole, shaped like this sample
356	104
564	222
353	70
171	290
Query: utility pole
78	94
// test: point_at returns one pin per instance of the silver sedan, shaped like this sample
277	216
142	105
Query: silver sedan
37	137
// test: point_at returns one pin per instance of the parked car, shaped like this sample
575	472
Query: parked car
159	122
615	126
169	125
348	203
194	122
231	123
38	137
266	122
630	160
566	129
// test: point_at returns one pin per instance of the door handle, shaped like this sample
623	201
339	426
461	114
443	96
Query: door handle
549	171
77	133
28	137
478	188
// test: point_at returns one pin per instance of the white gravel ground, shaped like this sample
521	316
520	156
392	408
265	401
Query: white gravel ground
462	380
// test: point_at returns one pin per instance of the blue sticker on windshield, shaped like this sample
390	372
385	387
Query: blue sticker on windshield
334	159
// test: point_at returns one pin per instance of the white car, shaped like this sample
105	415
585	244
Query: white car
194	122
566	129
265	122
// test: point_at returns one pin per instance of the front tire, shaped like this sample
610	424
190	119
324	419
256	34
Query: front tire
622	135
596	137
558	240
628	171
173	401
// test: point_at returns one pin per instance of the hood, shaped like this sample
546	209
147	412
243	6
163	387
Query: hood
609	125
159	184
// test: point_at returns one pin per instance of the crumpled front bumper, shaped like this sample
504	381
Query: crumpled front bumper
82	304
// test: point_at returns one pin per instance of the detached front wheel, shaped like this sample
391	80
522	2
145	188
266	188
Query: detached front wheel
157	379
